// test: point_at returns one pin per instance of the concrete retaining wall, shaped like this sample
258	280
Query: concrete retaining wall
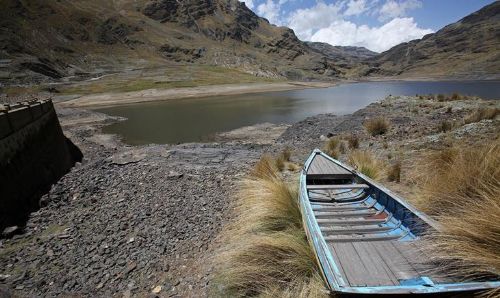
34	154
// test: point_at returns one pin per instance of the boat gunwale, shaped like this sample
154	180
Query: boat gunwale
329	268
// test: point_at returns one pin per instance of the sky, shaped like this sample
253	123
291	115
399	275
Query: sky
375	24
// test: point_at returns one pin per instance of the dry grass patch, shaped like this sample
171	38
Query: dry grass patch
394	172
460	187
353	141
366	163
266	252
456	172
377	126
332	147
482	114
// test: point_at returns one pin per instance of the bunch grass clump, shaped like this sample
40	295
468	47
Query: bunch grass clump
366	163
482	114
456	172
332	147
353	141
460	188
266	252
394	172
377	126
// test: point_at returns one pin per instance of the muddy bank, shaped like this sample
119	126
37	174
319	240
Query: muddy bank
129	221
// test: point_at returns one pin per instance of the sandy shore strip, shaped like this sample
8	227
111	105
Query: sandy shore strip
111	99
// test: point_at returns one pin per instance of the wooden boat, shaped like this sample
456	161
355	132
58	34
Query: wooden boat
365	237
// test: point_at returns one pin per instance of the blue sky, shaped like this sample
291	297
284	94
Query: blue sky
375	24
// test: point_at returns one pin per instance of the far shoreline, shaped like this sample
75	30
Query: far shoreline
103	100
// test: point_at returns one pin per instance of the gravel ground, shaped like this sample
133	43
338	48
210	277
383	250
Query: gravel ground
128	220
142	221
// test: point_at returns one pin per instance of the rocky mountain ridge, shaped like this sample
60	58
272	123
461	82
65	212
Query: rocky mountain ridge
70	41
469	48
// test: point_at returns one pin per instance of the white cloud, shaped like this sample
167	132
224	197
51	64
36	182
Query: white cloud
378	39
249	3
394	9
270	10
355	7
308	20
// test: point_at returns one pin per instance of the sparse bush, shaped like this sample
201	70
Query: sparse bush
394	172
265	250
481	114
377	126
440	97
460	187
353	141
449	110
331	147
367	164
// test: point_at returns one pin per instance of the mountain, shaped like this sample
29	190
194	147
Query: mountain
73	40
342	53
468	48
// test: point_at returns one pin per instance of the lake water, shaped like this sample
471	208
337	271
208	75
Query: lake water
191	120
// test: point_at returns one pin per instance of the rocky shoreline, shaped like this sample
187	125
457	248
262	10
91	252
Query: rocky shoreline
139	221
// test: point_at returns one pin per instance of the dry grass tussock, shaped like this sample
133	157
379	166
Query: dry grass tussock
332	147
366	163
265	251
482	114
460	186
394	172
455	172
377	126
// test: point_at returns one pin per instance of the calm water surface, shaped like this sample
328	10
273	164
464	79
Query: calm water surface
191	120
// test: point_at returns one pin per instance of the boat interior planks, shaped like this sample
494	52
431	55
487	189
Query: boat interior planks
365	237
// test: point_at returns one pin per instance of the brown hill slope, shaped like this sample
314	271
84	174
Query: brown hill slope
468	48
50	40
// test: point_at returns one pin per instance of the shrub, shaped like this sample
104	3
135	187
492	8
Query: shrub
365	163
353	141
481	114
441	97
377	126
394	172
266	252
331	147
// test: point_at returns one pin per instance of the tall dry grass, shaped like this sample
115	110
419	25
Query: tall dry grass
460	187
482	114
266	252
331	147
455	172
377	126
366	163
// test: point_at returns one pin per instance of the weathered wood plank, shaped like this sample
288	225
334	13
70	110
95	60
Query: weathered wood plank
374	263
354	268
398	263
321	165
337	186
